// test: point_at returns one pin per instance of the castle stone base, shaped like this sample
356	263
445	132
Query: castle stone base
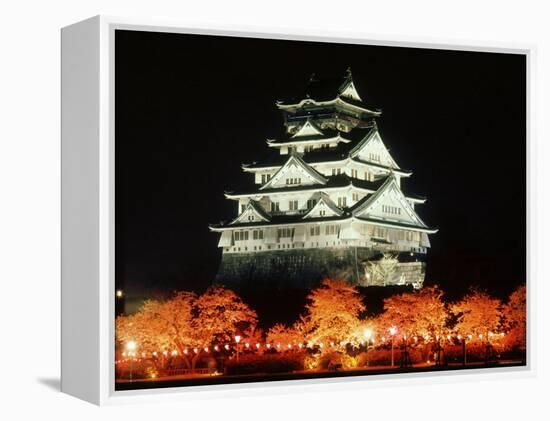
303	268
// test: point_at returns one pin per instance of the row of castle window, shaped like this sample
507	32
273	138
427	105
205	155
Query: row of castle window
293	205
394	210
335	171
293	180
374	157
243	235
354	173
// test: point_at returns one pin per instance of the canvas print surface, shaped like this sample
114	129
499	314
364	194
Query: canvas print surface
295	210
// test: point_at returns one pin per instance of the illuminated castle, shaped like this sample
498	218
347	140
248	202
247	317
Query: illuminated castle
327	203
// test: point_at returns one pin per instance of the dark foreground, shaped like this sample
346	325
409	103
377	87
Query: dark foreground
233	379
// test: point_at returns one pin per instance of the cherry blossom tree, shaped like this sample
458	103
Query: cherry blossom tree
332	313
283	336
515	316
419	313
477	314
187	323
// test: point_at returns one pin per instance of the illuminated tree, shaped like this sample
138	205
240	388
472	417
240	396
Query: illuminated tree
187	323
143	328
332	313
515	316
419	313
280	334
477	314
220	314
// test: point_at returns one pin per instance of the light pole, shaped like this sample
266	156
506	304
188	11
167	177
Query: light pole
131	347
368	336
393	331
237	340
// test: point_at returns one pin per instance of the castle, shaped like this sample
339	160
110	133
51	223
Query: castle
327	203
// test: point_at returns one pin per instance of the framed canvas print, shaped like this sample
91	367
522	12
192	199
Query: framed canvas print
262	209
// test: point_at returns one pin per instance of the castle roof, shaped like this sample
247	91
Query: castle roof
326	90
334	182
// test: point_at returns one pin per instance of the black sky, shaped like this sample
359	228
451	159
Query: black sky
191	109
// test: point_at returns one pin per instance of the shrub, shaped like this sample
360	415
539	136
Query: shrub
266	363
329	357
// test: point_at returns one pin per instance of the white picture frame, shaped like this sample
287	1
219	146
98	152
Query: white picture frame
88	212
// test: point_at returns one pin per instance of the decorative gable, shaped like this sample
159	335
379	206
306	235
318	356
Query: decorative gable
389	204
308	129
293	173
324	207
252	213
372	149
349	91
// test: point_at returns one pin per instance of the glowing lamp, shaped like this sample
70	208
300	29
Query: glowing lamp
237	338
393	330
131	345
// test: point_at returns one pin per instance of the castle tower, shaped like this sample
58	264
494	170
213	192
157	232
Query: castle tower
327	203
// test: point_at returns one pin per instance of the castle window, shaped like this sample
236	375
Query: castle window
274	206
285	232
241	235
368	176
313	231
331	230
374	157
354	173
336	171
393	210
380	232
258	234
311	203
263	178
295	180
322	212
293	205
342	202
355	197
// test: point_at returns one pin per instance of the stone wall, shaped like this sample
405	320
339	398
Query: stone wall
302	268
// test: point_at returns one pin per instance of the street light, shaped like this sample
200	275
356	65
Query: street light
393	331
368	336
131	347
119	293
237	340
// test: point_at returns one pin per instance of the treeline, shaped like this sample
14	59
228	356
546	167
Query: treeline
191	326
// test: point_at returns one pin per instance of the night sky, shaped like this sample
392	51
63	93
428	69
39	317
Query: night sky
191	109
